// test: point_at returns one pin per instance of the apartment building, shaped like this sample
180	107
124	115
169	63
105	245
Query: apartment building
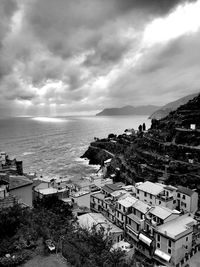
187	199
162	234
174	240
168	196
135	220
123	208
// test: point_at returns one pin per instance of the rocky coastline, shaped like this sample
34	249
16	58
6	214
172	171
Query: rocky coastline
169	151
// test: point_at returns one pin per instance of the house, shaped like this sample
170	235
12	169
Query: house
90	220
148	192
174	240
124	207
135	220
155	217
187	199
51	191
110	188
81	198
21	187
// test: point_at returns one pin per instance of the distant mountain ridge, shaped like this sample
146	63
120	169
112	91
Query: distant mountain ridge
128	111
165	110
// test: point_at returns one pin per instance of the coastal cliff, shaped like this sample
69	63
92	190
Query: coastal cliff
169	151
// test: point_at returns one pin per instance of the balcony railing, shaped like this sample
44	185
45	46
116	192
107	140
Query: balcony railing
165	198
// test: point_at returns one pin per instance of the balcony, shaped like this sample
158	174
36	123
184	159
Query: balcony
164	198
132	233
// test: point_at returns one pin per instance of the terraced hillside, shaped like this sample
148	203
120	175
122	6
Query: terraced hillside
169	150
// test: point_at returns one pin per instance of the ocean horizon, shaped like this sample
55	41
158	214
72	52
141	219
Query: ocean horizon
52	146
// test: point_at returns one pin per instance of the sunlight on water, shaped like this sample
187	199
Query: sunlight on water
48	119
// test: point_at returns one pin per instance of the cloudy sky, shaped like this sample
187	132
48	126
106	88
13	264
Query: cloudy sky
60	57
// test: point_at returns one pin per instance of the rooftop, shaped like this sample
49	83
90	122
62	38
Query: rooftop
128	201
80	193
112	187
134	217
151	188
177	226
50	191
141	206
161	212
185	190
18	181
91	219
98	195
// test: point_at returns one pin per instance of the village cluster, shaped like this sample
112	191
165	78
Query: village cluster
157	220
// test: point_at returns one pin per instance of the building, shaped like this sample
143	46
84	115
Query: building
168	196
110	188
124	207
187	199
174	240
135	220
148	192
21	188
81	198
144	218
97	220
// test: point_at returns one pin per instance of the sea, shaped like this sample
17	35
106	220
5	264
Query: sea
52	146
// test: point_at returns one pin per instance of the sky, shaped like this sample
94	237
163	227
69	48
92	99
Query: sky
68	57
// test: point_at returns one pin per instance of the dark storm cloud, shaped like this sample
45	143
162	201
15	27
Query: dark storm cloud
155	6
66	53
170	70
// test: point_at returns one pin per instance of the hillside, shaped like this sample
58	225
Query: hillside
165	110
169	151
128	111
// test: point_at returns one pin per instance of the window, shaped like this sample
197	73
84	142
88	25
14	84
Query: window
145	194
137	227
158	237
124	209
169	251
169	243
150	203
137	191
158	245
178	195
174	201
150	196
187	238
159	202
183	196
120	206
134	211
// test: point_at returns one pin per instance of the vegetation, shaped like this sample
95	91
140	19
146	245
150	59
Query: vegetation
23	232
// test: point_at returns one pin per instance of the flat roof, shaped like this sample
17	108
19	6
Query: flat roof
80	193
177	226
141	206
128	201
18	181
185	190
161	212
89	220
50	191
151	188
